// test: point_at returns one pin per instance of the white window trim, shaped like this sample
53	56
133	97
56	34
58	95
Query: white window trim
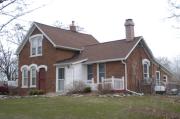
158	81
146	61
33	86
90	73
57	78
166	78
98	71
42	66
24	86
30	38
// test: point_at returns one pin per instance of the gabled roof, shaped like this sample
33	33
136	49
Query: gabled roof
108	51
60	38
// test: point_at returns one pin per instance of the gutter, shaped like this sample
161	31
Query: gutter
140	94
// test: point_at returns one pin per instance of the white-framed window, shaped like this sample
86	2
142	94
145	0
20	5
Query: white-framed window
158	77
33	76
25	77
101	72
60	81
146	66
89	72
165	78
36	45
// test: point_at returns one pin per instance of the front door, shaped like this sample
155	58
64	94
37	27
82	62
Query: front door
60	79
42	79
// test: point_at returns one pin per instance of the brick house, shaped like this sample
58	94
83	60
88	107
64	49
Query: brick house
51	59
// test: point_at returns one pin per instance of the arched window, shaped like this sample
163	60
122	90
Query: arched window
33	76
146	65
36	45
24	77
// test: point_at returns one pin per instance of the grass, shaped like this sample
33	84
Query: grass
89	107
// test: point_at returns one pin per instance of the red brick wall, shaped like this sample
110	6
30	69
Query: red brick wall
95	73
115	69
135	68
49	57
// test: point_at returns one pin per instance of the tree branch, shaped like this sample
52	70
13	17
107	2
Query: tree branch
6	4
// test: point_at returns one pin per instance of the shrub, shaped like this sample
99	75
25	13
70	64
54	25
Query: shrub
36	92
105	88
87	90
13	90
78	87
4	89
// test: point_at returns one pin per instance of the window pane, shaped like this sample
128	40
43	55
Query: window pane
25	77
157	75
25	81
33	76
90	72
36	45
60	85
101	76
33	81
90	69
39	50
102	67
101	71
61	73
33	51
145	68
90	76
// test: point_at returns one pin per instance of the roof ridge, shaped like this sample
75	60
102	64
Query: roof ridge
61	28
109	42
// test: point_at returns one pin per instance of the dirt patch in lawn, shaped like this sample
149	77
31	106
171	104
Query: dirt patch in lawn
159	113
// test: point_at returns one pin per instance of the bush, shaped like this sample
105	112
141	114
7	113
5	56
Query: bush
87	90
13	90
4	89
105	88
36	92
78	87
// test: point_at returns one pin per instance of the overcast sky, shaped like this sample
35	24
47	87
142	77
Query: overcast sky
104	19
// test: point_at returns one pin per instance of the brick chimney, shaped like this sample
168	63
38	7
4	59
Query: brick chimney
73	27
129	26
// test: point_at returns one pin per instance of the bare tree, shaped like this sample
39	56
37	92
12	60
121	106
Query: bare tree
11	10
174	8
16	34
8	64
176	67
165	62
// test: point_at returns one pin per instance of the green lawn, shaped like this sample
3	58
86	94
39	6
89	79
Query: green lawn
91	107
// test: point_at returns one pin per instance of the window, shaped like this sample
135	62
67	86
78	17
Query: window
158	77
60	79
36	45
90	72
101	71
165	79
61	73
33	76
146	65
24	77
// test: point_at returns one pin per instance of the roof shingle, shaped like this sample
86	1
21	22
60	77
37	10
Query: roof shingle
67	38
118	49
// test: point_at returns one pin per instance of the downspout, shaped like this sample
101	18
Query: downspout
125	69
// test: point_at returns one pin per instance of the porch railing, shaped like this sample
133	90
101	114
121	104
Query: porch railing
115	83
